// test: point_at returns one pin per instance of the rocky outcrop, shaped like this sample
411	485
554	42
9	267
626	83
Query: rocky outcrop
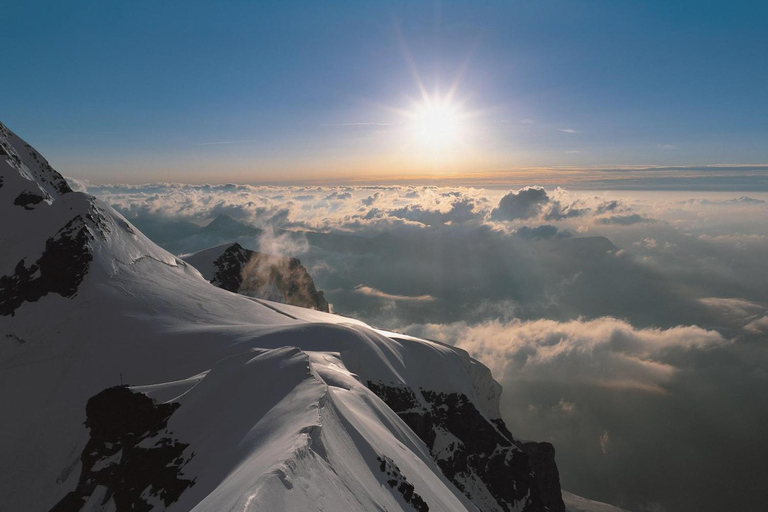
260	275
130	455
396	480
60	269
30	195
480	456
542	459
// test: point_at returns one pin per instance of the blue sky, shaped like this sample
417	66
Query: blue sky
324	91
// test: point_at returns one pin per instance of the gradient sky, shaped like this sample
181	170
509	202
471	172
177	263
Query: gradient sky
316	91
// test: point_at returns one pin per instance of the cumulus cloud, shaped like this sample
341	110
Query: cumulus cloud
522	204
610	206
637	406
338	196
368	201
603	352
461	211
557	205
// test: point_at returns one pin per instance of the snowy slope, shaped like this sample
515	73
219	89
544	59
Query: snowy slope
234	403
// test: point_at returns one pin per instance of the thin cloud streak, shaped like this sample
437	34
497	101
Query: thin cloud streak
373	292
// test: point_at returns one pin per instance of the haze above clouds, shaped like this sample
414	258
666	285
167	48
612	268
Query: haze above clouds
628	328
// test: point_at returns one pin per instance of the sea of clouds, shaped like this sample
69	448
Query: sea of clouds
628	328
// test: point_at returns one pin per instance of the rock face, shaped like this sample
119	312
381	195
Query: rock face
59	269
397	480
480	456
130	454
34	197
542	458
260	275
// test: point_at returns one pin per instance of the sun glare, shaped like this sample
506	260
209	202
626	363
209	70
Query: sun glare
436	124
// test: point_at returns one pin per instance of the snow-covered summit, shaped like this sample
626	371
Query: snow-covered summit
132	383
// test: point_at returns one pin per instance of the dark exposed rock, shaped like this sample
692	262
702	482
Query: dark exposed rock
130	453
542	459
266	276
228	268
41	171
60	269
485	450
396	480
28	200
403	402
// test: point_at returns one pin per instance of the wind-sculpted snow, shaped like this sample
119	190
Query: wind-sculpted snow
270	398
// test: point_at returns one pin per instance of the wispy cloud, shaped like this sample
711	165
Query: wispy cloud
568	130
373	292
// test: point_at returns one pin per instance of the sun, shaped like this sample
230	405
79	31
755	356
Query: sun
436	123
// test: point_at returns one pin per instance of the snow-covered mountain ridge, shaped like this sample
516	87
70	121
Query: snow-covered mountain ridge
229	402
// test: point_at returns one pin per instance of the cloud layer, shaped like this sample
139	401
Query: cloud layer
604	352
628	328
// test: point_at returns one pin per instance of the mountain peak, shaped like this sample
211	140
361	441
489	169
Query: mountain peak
20	161
224	225
223	220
